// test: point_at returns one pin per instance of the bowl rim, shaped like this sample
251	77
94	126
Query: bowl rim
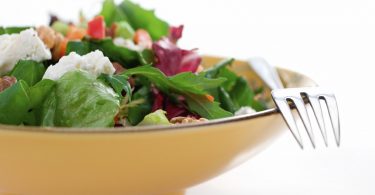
144	129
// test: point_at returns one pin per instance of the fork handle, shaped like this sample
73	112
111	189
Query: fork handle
266	72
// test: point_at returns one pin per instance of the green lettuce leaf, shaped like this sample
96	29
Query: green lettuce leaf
14	103
80	100
155	118
112	13
29	71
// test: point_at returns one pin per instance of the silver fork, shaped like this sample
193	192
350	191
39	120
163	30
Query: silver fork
297	96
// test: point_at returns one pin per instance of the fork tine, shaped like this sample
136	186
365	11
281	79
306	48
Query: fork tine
283	106
317	109
334	115
300	105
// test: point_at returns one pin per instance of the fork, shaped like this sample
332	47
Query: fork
285	98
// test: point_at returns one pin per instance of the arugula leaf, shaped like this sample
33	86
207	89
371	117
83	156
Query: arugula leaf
185	82
14	103
197	84
12	30
201	105
214	71
226	101
153	74
89	104
242	95
137	113
119	83
141	18
193	87
29	71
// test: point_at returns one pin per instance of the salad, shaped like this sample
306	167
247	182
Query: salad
121	68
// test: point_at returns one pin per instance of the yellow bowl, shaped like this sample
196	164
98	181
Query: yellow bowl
134	161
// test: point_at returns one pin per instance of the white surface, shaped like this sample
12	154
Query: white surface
332	41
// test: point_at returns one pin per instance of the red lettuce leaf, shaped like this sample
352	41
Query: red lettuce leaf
172	60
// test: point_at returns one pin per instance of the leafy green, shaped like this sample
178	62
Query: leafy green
112	13
136	16
226	101
214	71
14	103
126	57
40	91
141	18
137	113
124	30
12	30
45	115
80	47
146	57
29	71
119	83
235	92
201	105
80	100
242	95
153	74
155	118
193	87
186	82
197	84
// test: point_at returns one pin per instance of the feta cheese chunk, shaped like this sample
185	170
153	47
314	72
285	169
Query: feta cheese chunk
244	110
94	62
23	46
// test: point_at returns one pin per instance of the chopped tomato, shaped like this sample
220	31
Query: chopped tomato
96	28
75	33
142	37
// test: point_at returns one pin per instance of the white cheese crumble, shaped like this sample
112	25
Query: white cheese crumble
244	110
23	46
94	62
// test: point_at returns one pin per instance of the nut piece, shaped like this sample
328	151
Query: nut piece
6	82
184	120
47	35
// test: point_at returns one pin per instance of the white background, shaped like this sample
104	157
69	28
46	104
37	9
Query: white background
332	41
